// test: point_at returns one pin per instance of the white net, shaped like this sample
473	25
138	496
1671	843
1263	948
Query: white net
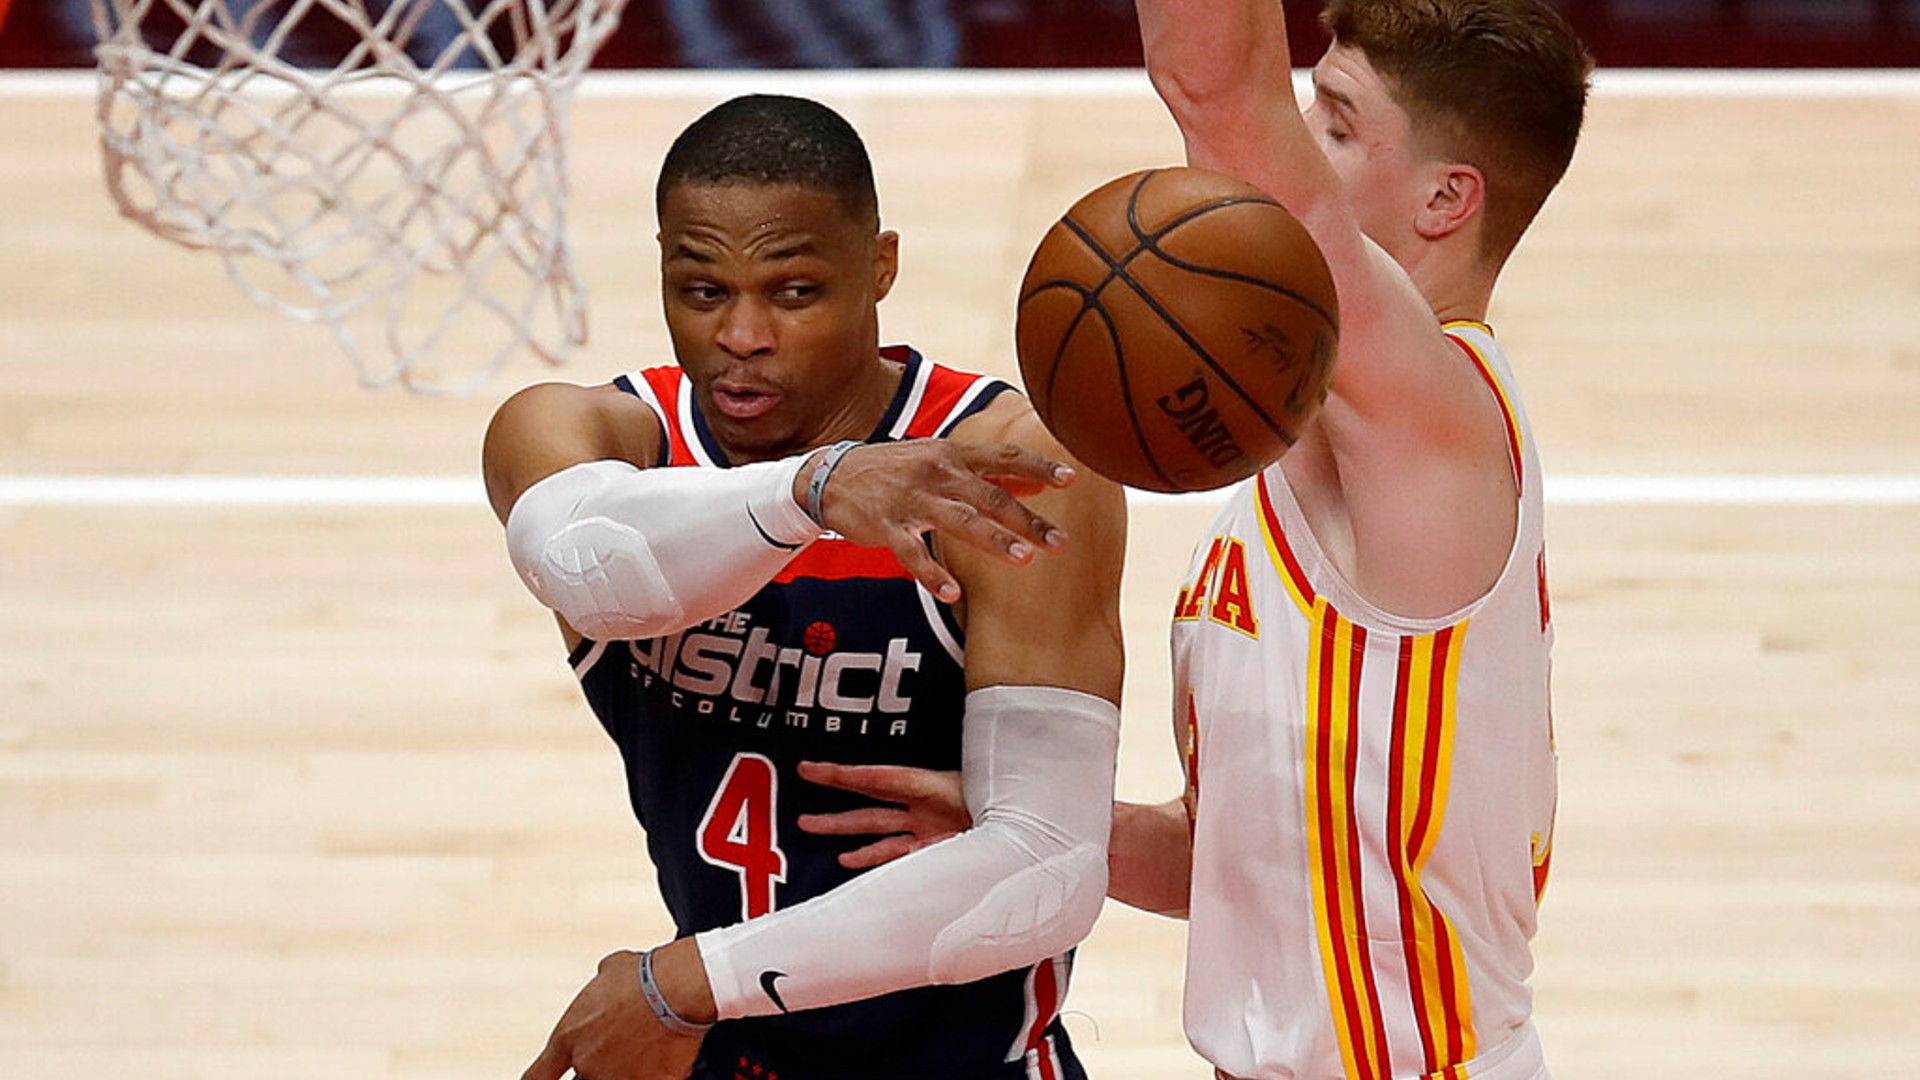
395	169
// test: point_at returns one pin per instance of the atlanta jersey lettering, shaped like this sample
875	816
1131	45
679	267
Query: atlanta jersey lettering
1372	799
843	657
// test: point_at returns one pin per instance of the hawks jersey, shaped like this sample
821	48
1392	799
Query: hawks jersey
1373	798
842	657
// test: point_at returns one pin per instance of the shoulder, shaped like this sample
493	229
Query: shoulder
1054	621
1007	413
606	415
547	427
1010	418
939	399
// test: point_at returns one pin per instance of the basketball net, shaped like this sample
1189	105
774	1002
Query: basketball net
394	169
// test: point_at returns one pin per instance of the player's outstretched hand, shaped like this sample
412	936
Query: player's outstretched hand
928	807
892	494
609	1033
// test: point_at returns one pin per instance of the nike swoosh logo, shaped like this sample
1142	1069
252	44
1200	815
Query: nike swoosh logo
768	537
767	979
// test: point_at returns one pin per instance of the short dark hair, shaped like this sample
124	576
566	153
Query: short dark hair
772	139
1497	84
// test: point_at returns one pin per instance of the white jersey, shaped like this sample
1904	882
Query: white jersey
1372	799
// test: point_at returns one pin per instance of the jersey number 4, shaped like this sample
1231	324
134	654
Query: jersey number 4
741	832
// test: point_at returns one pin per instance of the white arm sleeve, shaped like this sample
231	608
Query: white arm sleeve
1023	884
624	552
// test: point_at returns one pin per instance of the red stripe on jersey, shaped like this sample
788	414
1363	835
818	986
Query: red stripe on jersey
838	560
1405	858
945	387
666	383
1346	992
1546	606
1299	576
1369	984
1500	398
1045	1004
1430	757
1443	644
1443	953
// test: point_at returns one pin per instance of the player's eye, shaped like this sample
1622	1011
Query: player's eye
702	293
796	292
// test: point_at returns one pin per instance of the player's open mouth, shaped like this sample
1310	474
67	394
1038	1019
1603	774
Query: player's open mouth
743	404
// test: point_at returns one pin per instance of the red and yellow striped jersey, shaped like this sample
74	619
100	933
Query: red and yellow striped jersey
1373	797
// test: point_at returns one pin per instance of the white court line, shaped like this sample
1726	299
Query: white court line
1727	489
287	491
1775	489
1097	82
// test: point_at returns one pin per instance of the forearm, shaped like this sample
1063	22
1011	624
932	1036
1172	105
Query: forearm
1224	70
1207	54
1024	883
624	552
1150	857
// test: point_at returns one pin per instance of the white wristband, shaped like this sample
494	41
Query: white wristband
662	1008
822	472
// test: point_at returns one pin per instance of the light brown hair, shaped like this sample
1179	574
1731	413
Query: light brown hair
1497	84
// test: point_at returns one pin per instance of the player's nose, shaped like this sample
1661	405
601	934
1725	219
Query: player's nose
747	328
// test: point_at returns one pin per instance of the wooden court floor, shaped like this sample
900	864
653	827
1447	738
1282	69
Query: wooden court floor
302	789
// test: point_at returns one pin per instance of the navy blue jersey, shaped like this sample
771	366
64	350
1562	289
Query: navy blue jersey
843	657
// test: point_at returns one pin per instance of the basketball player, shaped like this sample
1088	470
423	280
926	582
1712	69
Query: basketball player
732	546
1361	643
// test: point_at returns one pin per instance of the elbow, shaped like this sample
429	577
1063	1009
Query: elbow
1040	911
1196	72
1188	93
598	575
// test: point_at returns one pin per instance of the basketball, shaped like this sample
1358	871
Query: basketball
1177	330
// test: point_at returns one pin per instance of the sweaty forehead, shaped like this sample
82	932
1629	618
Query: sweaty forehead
1348	78
760	217
1347	81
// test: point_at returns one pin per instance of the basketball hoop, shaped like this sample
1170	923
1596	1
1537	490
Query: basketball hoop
394	169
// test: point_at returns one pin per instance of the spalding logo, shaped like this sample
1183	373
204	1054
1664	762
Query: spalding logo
1188	409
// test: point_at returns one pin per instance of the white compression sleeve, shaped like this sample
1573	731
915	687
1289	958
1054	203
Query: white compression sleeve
624	552
1024	883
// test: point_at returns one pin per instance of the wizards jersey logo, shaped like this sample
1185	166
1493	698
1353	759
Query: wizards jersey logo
733	669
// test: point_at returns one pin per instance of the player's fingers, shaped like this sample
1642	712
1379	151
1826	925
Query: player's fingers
1006	464
999	513
916	560
964	522
869	821
880	851
552	1064
834	775
890	783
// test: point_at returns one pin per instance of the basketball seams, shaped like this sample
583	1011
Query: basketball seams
1087	302
1179	322
1248	279
1116	271
1090	302
1150	241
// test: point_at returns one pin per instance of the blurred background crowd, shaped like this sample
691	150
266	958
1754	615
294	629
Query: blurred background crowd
1066	33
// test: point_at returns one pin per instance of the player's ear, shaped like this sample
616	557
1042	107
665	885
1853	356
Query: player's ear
1457	195
886	263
